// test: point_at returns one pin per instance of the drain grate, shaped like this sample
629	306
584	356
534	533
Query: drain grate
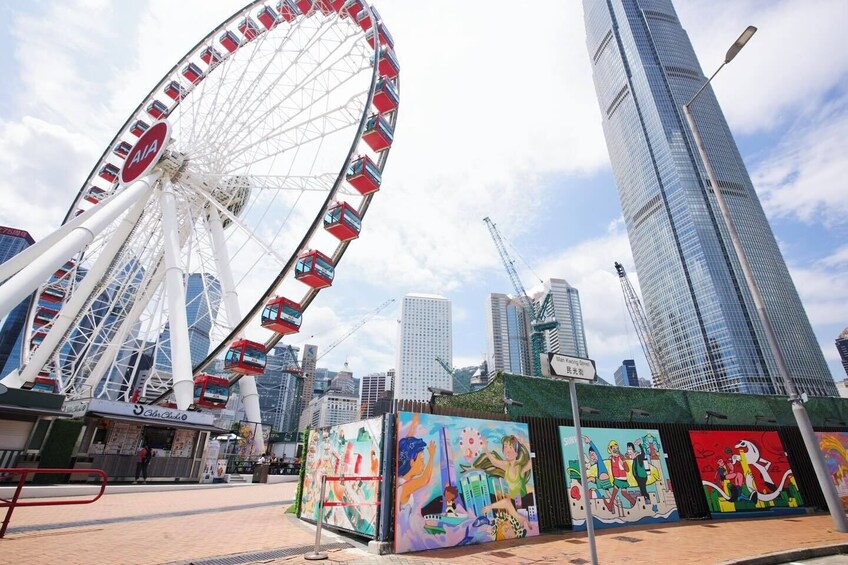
501	554
580	560
628	539
242	558
657	531
578	541
708	525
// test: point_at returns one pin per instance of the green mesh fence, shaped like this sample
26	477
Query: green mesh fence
550	398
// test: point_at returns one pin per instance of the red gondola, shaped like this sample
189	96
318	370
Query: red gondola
157	109
138	128
44	316
245	357
304	6
211	391
267	17
122	149
364	175
109	172
192	73
230	41
342	221
95	194
386	97
175	90
352	8
52	294
388	64
282	315
211	56
385	37
363	18
36	339
248	28
288	9
315	269
378	133
43	383
64	270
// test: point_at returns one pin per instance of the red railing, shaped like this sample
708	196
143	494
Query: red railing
13	503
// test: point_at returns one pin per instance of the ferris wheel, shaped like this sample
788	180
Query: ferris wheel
219	210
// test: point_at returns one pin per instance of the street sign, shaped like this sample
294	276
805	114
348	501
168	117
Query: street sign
566	367
146	153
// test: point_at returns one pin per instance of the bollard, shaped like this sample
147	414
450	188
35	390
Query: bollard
316	554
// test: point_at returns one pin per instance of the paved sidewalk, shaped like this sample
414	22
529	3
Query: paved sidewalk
246	524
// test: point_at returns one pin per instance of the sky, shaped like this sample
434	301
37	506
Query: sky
498	118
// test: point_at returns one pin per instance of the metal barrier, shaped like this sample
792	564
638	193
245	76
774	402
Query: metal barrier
13	503
316	554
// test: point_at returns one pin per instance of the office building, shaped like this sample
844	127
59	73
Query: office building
280	389
12	242
203	298
344	382
507	335
307	365
842	348
424	334
332	409
696	300
561	302
626	375
373	386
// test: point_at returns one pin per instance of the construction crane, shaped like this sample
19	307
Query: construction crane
367	318
539	324
452	372
637	314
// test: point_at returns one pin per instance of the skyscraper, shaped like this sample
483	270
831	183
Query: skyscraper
626	374
307	364
423	335
203	297
373	386
507	335
12	242
698	306
279	389
842	348
569	337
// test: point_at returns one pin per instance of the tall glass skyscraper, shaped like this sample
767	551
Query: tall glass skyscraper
696	300
507	335
12	242
569	337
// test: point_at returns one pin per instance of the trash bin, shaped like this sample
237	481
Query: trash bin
260	473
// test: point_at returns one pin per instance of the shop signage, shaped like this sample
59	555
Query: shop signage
148	412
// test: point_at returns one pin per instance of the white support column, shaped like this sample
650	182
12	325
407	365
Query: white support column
181	369
28	279
71	309
247	384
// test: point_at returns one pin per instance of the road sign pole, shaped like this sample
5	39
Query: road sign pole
581	461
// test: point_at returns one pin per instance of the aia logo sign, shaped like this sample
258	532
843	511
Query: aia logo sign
146	152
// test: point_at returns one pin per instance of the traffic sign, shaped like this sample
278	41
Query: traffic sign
144	156
567	367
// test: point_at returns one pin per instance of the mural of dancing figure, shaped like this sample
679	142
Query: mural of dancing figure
514	467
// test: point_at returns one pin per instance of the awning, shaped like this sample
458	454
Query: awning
160	423
24	411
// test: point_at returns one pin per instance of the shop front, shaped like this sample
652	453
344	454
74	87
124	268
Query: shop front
25	419
115	431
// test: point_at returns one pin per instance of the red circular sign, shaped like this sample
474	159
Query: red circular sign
146	152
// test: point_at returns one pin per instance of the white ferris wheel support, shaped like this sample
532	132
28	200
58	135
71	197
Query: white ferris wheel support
247	384
26	281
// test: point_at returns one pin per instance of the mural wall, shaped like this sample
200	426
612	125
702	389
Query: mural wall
462	481
834	446
352	450
627	477
744	471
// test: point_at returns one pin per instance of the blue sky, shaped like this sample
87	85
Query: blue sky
498	118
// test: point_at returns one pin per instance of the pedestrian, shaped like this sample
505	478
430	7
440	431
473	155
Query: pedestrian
142	461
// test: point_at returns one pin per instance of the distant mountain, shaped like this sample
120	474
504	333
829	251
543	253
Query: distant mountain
462	379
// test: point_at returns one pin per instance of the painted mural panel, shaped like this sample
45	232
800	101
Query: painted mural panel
351	450
627	477
745	471
834	446
462	481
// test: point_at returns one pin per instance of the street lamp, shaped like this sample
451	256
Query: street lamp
638	412
510	402
434	392
709	415
834	504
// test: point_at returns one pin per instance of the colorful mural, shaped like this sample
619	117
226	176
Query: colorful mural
745	471
351	450
462	481
834	446
627	477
